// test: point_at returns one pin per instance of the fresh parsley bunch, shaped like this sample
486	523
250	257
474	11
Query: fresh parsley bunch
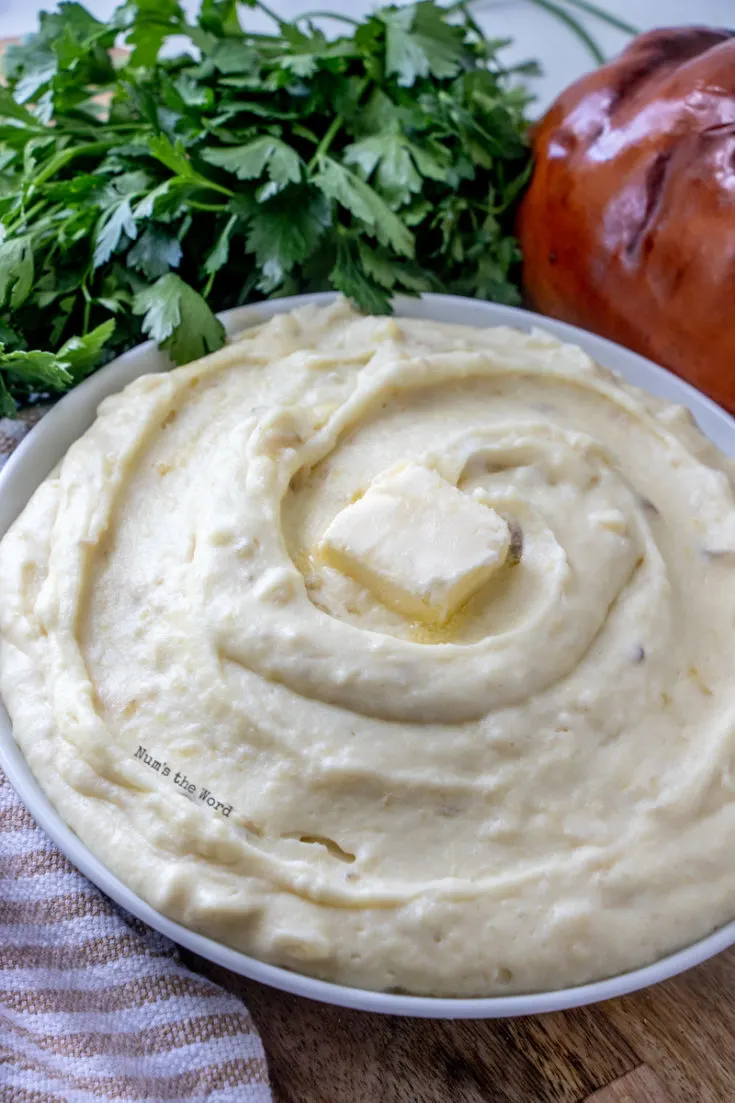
139	192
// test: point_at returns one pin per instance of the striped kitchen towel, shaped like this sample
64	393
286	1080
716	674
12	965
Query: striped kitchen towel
94	1005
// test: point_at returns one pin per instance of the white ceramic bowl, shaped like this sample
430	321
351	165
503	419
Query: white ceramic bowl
47	443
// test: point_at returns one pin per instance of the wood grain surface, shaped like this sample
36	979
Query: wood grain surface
674	1043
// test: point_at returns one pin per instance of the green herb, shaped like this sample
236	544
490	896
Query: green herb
139	193
178	318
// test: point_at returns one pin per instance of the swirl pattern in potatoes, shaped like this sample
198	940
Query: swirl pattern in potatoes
393	652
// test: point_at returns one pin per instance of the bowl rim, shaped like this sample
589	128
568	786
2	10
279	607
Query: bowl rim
48	441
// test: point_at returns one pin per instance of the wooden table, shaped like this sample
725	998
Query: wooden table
674	1043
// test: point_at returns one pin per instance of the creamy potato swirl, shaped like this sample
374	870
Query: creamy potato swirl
535	792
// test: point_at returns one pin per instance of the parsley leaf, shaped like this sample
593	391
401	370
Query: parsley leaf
421	43
397	174
8	405
172	156
117	220
47	371
80	355
337	182
284	232
233	56
155	252
266	154
16	270
150	23
348	276
220	17
218	257
38	369
179	319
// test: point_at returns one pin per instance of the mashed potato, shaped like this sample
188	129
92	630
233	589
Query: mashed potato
396	653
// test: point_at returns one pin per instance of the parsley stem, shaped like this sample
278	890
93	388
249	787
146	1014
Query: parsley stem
87	308
208	285
62	159
471	23
558	10
331	133
575	26
304	132
218	208
326	141
270	13
604	15
24	217
205	182
327	15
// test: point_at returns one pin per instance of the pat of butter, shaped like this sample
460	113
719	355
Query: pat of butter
417	543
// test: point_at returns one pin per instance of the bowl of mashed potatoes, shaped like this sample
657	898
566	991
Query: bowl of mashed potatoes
387	660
